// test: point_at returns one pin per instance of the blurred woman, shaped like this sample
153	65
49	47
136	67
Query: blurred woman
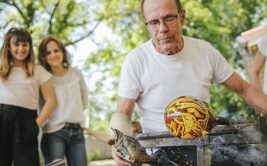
63	133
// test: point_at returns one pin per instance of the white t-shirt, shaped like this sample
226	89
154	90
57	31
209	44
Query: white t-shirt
154	80
262	46
20	90
72	98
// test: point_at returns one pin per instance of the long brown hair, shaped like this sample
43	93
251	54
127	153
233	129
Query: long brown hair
19	35
42	52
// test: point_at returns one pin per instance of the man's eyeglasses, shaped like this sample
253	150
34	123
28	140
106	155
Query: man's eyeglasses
168	21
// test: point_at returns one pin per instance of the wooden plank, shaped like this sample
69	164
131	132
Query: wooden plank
173	141
242	138
217	130
255	33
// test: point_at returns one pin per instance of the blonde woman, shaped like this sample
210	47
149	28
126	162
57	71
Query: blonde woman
20	83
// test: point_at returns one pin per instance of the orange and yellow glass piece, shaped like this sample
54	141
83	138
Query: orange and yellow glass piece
189	118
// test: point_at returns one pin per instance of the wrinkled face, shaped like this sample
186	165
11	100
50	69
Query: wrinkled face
19	51
164	23
54	55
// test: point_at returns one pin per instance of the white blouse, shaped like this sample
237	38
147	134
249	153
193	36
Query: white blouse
20	90
72	98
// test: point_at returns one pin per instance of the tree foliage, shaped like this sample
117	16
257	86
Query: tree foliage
69	20
217	21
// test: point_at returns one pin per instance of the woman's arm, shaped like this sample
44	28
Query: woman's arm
50	102
99	136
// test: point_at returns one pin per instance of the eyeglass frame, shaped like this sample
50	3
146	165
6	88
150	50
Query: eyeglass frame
157	22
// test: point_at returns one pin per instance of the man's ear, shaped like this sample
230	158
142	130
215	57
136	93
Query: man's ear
183	16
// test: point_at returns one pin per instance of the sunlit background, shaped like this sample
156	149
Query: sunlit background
99	34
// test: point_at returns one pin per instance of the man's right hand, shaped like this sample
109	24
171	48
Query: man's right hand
119	160
121	120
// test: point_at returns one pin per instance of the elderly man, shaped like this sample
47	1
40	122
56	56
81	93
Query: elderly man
168	66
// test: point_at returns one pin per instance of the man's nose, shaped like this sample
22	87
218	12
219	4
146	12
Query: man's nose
162	26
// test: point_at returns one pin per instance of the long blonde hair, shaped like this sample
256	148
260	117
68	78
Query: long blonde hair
19	35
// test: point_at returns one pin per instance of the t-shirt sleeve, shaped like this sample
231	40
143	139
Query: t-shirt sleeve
221	69
262	46
41	74
130	84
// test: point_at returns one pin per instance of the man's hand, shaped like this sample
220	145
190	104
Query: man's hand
119	160
121	120
111	141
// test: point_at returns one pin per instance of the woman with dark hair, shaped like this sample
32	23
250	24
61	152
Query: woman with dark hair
63	133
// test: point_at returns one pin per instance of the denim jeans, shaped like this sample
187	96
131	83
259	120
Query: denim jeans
67	142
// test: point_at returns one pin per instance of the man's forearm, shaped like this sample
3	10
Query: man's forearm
255	98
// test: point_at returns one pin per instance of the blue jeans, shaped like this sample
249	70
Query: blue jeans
67	142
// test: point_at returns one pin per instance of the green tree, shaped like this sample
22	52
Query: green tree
217	21
69	20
